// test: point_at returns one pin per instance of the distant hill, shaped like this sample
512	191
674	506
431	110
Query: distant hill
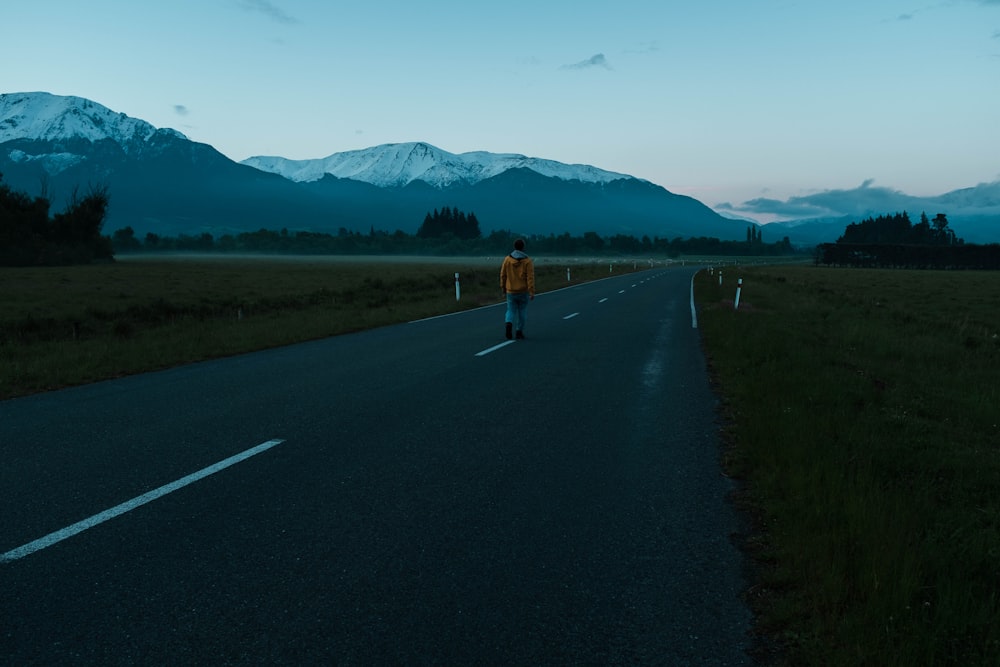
973	213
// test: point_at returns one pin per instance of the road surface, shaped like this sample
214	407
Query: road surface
417	494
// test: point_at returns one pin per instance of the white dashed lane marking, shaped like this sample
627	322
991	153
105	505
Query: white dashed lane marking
127	506
494	348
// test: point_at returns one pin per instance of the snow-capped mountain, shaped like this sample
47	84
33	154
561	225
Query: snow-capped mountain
55	118
982	196
46	117
53	134
160	182
397	165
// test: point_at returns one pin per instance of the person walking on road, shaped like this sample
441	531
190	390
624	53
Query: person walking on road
517	281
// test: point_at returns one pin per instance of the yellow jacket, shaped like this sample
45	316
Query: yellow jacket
517	274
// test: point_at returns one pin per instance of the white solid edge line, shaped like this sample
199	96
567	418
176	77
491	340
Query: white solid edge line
457	312
694	313
494	348
80	526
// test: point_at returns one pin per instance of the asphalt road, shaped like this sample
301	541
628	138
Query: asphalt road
423	500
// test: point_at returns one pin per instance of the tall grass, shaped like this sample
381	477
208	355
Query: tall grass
862	413
62	326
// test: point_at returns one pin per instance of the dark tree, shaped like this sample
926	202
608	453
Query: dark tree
897	229
592	241
450	221
29	237
124	240
942	234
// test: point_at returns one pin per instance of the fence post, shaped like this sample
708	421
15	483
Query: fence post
739	288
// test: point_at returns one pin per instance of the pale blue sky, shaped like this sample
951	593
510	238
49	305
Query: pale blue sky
723	100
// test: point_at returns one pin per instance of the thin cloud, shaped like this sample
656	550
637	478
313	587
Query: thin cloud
907	16
596	60
269	10
793	208
831	203
983	199
181	110
645	47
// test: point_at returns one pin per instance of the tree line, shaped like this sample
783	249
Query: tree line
897	228
448	231
450	221
376	242
892	241
31	236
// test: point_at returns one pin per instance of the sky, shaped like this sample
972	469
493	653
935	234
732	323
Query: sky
750	106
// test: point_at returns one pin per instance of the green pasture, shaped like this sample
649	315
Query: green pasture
862	414
62	326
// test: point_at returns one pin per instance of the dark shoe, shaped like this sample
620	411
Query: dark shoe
510	328
520	335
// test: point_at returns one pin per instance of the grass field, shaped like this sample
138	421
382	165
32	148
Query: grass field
860	411
863	415
63	326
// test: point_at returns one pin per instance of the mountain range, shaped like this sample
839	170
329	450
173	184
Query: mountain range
161	182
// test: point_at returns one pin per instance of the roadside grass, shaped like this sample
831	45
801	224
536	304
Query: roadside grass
62	326
862	414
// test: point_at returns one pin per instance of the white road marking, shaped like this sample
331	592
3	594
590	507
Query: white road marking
622	292
457	312
571	316
603	300
694	313
138	501
494	348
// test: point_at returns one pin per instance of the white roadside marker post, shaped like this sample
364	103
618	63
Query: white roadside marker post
458	288
739	288
720	278
567	274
